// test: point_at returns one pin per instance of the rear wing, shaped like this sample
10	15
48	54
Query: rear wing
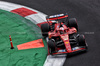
56	17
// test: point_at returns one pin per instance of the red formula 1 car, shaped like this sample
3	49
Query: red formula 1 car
62	36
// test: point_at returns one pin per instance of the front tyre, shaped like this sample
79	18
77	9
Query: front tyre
81	40
51	45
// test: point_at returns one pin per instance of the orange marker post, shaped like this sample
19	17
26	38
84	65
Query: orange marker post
11	42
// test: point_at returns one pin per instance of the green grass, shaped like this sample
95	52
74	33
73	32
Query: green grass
21	31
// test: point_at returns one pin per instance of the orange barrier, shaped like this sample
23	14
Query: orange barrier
32	44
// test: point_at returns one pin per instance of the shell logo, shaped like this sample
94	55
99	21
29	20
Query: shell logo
66	42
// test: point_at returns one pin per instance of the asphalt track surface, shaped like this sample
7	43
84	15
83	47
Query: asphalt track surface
87	13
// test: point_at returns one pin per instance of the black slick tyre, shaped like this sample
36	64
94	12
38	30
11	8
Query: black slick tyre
73	23
82	40
45	29
51	45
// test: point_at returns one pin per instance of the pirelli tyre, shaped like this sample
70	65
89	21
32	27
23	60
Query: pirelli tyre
45	28
81	40
73	23
51	45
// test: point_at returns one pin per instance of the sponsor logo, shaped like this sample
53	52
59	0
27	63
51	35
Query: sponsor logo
66	42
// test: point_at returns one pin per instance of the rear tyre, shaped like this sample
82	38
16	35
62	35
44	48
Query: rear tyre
51	45
73	23
45	28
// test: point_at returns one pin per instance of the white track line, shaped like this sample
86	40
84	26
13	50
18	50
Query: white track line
57	60
35	18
